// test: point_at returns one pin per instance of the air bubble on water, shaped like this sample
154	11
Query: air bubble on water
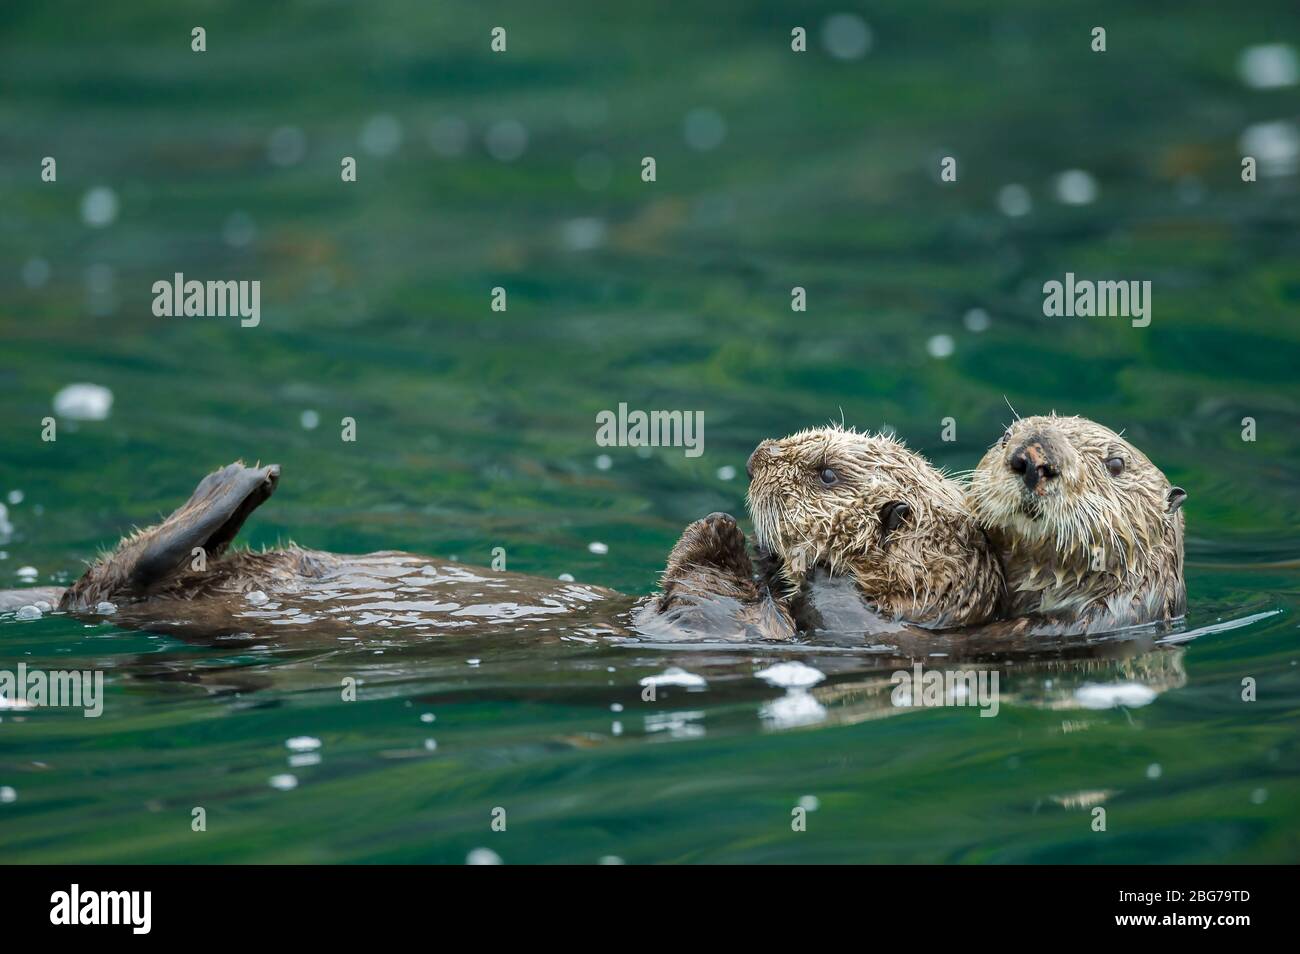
36	272
256	597
704	129
846	36
473	662
431	745
1154	771
482	856
381	135
286	146
598	548
616	728
309	419
283	782
1075	187
428	717
1259	796
611	860
239	229
27	574
604	462
302	743
506	140
83	402
303	759
810	803
105	608
1014	200
565	578
583	234
15	497
616	707
1274	145
28	612
726	472
449	136
940	346
99	207
8	794
1269	66
976	320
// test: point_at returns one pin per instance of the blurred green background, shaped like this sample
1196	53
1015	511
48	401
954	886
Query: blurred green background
476	428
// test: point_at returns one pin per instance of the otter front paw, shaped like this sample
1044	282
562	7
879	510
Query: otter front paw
713	542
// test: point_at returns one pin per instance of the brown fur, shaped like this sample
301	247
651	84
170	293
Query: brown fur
935	568
1092	549
710	585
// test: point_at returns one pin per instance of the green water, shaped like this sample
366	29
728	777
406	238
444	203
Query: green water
475	428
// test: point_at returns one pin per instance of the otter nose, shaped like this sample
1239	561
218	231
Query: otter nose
1033	464
764	448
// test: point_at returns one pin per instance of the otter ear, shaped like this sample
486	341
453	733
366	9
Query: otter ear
892	516
1176	498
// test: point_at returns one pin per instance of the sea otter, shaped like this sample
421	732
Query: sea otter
182	576
853	519
1089	531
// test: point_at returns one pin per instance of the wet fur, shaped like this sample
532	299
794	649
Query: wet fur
1087	549
936	569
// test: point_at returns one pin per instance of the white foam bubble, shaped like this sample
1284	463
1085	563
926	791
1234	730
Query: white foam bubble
483	856
1075	187
105	608
598	548
1014	200
940	346
1269	66
83	402
675	676
99	207
1108	695
790	675
846	36
704	129
381	135
283	782
302	743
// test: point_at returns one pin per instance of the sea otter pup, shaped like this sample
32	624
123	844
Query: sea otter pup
836	508
1090	532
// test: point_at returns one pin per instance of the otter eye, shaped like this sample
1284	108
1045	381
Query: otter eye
829	477
1115	465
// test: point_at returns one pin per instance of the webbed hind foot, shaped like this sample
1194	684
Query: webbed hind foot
204	526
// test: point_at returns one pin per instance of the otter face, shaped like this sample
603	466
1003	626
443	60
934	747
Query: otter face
1075	489
867	507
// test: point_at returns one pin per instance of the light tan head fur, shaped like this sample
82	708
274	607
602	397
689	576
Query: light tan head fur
866	507
1085	524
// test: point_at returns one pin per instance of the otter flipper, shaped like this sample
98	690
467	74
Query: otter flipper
210	519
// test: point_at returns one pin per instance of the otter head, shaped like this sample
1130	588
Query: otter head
866	507
1069	500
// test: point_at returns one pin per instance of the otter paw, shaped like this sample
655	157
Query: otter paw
714	541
